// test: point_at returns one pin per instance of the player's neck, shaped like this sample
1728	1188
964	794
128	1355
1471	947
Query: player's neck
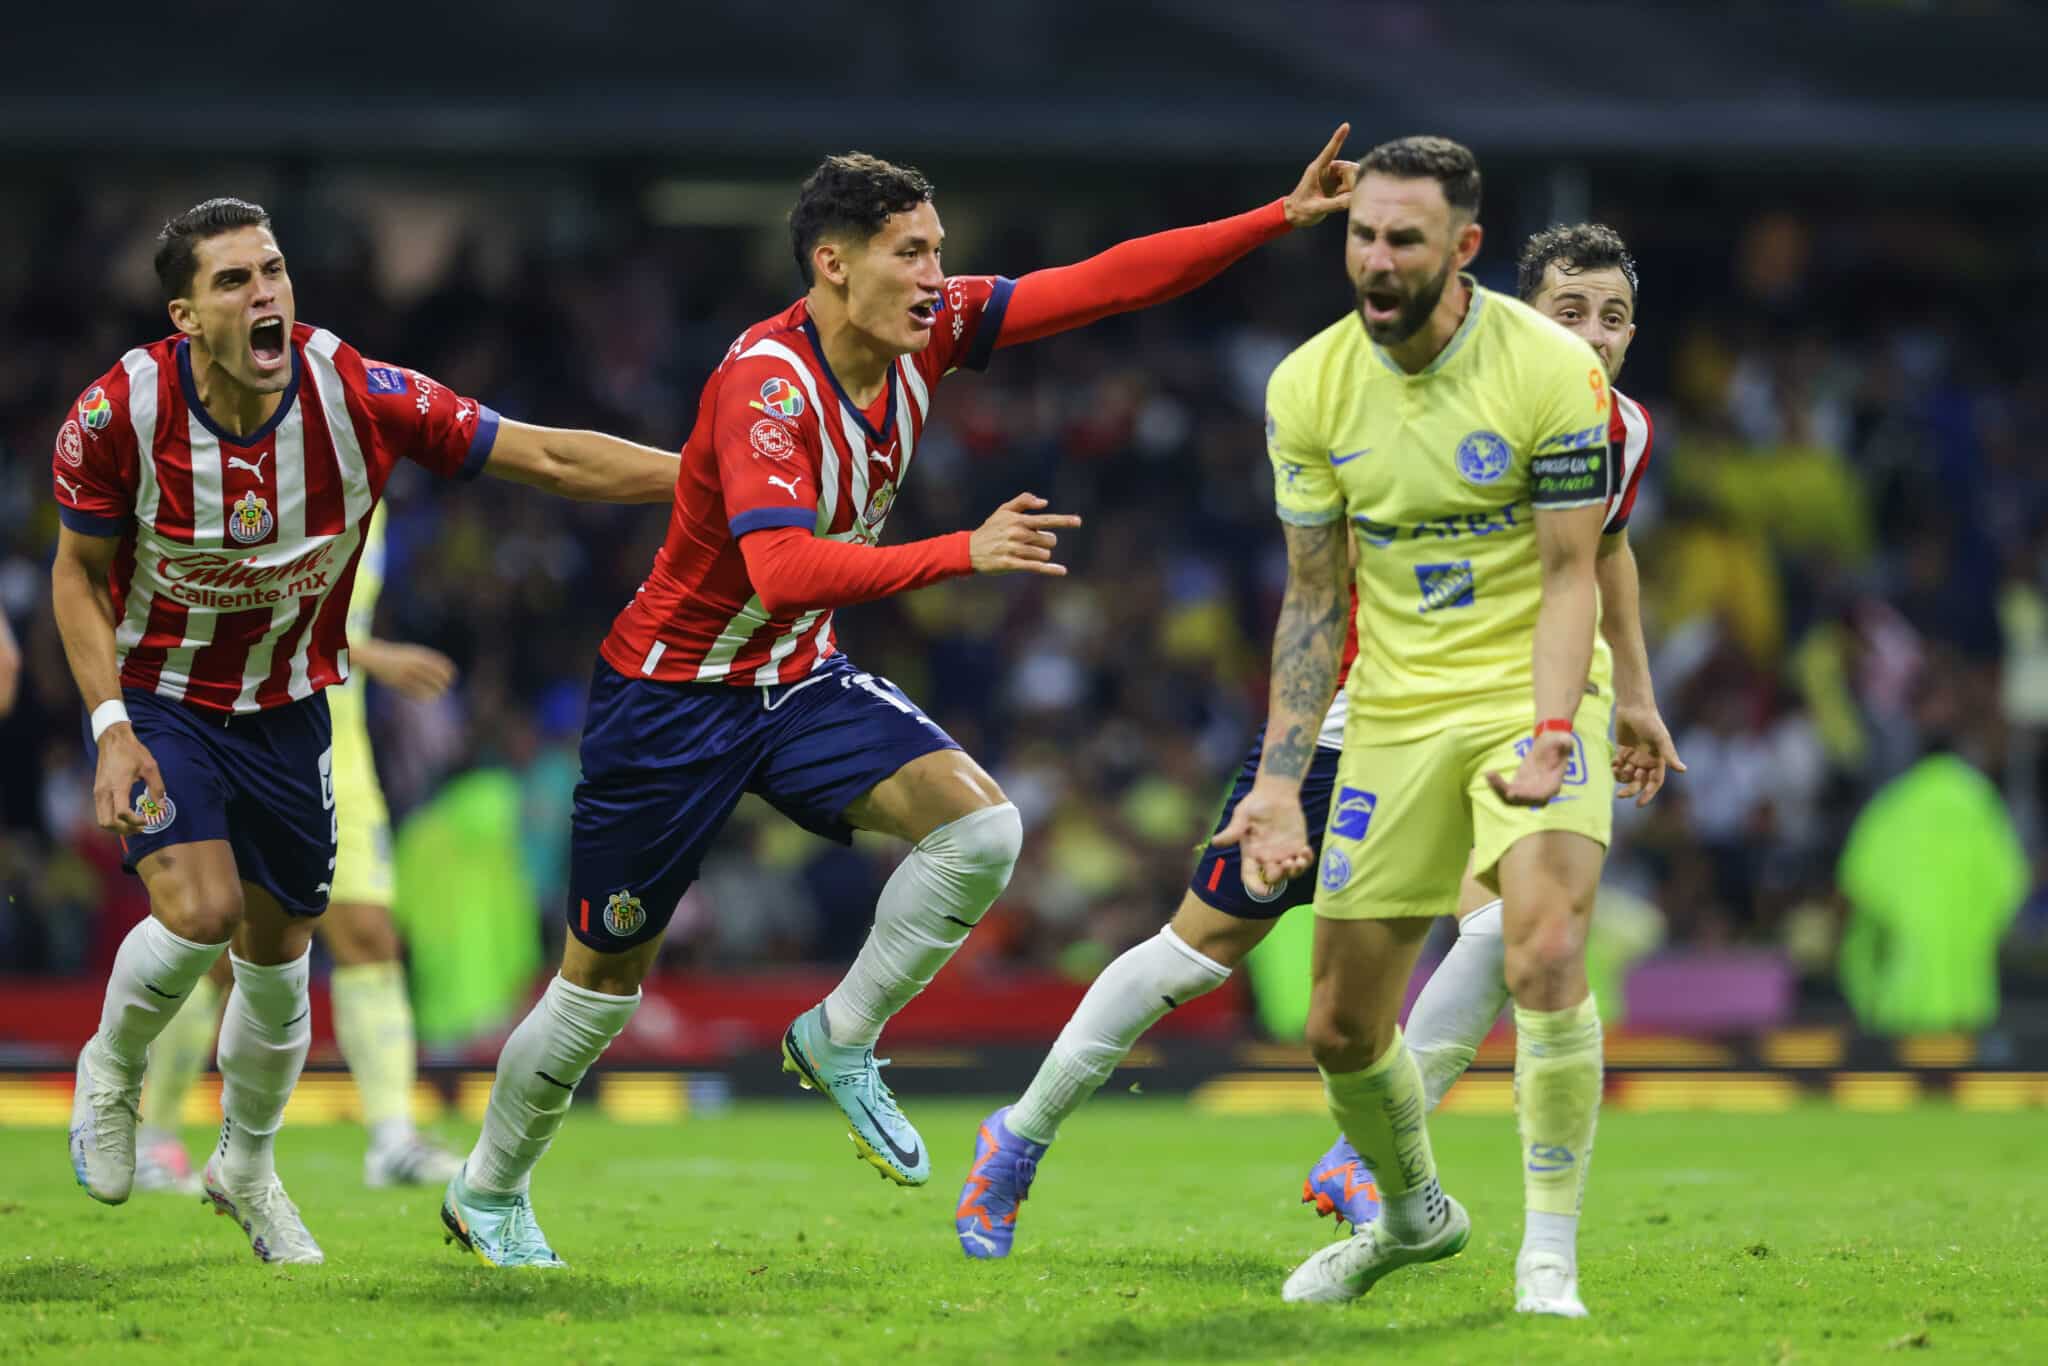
1415	355
859	364
232	406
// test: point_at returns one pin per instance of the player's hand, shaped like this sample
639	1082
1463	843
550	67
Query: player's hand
1541	772
1272	836
1017	537
124	762
414	671
1644	753
1325	186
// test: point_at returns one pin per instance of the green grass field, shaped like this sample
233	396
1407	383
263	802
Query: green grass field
1157	1234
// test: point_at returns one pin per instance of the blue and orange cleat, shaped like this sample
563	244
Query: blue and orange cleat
1341	1185
1005	1165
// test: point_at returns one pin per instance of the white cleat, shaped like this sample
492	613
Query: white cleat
416	1160
104	1114
161	1164
1546	1283
268	1216
1344	1271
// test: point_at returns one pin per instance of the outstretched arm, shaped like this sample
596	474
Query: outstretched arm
1150	270
587	466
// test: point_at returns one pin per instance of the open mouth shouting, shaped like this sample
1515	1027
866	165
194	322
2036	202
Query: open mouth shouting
925	316
267	343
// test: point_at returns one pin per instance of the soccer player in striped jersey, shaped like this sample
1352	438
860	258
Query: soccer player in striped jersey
722	677
373	1022
1583	278
214	490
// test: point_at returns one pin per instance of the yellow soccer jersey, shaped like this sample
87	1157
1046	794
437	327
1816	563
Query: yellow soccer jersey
1439	474
352	762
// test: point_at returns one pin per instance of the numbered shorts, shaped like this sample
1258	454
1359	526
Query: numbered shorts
664	764
1217	880
1407	817
262	781
362	862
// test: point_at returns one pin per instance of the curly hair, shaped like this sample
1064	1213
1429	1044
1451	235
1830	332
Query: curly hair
852	193
1449	164
1574	249
177	242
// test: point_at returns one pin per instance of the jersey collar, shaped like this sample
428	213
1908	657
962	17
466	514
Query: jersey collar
880	438
1451	348
191	388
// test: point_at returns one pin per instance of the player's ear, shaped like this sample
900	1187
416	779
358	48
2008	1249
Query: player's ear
1468	240
183	316
828	262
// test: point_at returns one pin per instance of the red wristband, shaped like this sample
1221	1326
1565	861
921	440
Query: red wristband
1560	724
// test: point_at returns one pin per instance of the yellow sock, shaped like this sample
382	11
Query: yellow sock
373	1025
179	1055
1558	1073
1381	1111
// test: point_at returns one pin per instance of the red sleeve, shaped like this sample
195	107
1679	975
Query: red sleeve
970	320
1135	274
795	571
93	467
764	431
419	418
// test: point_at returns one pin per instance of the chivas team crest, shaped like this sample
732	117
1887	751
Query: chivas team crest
249	521
156	815
623	914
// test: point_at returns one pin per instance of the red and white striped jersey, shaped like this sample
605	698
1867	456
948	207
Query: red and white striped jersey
1628	440
231	585
778	443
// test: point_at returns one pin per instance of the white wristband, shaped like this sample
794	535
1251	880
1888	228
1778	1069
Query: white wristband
109	713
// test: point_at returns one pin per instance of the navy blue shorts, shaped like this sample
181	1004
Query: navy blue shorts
664	764
263	781
1216	879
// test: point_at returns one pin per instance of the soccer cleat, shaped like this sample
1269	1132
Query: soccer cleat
161	1164
415	1160
499	1229
1005	1164
104	1114
268	1216
1344	1271
1546	1283
1341	1184
852	1079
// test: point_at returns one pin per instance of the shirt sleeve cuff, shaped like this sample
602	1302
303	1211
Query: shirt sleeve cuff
761	519
991	325
1319	517
86	524
480	443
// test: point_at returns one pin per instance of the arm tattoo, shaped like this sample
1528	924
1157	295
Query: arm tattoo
1307	645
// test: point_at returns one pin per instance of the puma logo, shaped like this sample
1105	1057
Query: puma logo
235	462
886	459
71	490
789	484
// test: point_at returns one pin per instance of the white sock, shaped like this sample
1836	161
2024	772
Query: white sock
153	973
538	1072
1459	1003
1552	1233
1126	1000
263	1043
935	896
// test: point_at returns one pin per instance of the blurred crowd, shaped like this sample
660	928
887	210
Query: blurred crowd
1843	539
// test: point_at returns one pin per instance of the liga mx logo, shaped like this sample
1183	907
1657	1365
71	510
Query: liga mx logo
780	397
156	815
94	410
1483	457
623	915
250	521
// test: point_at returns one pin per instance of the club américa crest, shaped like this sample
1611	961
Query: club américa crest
623	914
156	815
249	521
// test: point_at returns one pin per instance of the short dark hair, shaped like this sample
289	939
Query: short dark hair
177	245
1449	164
851	193
1574	248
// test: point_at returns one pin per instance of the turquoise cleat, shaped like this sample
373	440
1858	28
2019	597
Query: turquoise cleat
499	1229
852	1079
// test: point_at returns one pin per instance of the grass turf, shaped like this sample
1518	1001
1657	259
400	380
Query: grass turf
1156	1234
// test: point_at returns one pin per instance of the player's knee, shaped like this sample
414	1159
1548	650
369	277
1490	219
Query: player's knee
1546	959
358	934
980	849
201	914
1341	1040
